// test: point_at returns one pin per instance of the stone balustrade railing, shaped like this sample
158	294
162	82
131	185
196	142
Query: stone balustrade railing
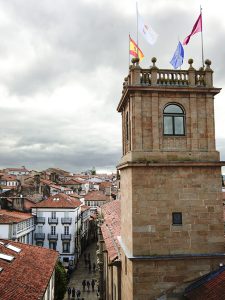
165	77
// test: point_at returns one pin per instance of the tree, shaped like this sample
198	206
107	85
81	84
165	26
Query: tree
60	281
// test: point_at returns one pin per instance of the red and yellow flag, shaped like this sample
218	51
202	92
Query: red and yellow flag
135	50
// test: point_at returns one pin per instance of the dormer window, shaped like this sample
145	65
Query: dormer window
173	120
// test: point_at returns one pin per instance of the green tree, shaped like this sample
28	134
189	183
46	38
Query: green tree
60	281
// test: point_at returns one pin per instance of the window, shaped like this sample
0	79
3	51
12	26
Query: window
38	243
53	230
127	127
173	120
177	218
53	214
53	245
66	230
66	247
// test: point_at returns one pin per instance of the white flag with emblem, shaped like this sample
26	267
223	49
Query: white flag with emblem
147	32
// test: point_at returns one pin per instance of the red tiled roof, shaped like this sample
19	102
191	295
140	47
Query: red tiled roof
73	181
27	276
7	217
111	228
96	196
17	169
105	184
9	177
210	287
58	201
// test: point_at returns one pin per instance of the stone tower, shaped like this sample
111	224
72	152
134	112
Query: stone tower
171	206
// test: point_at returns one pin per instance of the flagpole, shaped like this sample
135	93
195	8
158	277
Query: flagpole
202	39
137	28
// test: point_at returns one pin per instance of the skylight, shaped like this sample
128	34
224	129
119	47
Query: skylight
14	248
1	269
6	257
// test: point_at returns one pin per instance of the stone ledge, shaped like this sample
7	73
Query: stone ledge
170	164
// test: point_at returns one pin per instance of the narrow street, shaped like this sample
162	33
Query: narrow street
82	273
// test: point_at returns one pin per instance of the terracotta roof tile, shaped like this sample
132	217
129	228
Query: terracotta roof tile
58	201
210	287
27	276
111	228
96	196
7	217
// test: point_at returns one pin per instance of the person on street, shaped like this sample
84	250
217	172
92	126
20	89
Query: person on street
84	284
73	292
88	285
69	292
93	285
94	266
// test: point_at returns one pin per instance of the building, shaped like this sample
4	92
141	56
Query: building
27	272
108	253
8	182
171	202
17	226
17	171
95	199
57	226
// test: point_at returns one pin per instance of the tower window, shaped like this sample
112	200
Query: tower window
177	218
127	127
173	120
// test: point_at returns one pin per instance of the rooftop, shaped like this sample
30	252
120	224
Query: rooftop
111	228
27	275
96	196
210	287
8	217
59	201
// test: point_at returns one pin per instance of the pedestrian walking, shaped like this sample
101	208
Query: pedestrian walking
93	285
84	284
78	294
94	266
88	285
89	256
73	292
69	292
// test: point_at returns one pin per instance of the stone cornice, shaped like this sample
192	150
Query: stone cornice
171	164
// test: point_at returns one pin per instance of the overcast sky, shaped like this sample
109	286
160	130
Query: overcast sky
62	64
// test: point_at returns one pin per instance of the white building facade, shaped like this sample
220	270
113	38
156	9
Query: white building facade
58	225
17	226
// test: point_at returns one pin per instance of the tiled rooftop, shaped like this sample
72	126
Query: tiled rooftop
59	201
210	287
96	196
7	217
26	277
111	228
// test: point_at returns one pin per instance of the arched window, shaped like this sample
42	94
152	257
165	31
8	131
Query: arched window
173	120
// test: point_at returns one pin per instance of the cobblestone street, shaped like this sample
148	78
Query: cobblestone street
82	272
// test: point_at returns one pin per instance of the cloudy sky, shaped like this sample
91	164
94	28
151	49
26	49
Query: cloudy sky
62	64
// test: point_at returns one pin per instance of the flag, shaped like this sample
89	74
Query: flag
148	33
178	56
135	50
197	28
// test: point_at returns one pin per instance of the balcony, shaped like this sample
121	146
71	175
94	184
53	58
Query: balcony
39	236
66	237
66	220
41	220
53	237
52	221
